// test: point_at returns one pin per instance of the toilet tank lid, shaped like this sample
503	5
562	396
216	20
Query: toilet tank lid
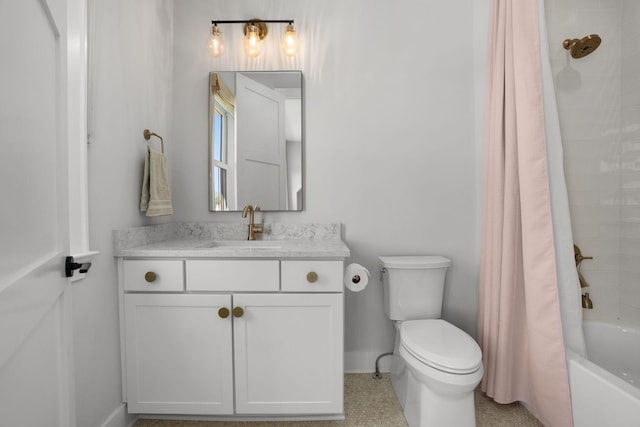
415	261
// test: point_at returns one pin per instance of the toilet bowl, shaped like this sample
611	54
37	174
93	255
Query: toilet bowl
435	370
436	366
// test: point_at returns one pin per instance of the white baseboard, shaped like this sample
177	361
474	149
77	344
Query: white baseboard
120	418
365	361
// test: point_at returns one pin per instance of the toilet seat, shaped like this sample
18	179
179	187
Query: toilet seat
441	345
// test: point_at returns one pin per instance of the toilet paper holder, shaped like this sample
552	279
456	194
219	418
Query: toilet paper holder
356	277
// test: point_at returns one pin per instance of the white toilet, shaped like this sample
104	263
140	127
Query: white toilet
436	366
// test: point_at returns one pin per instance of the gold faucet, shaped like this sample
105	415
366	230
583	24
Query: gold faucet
253	228
586	300
579	258
578	255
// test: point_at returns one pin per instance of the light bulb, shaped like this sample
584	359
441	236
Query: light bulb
215	46
289	44
252	42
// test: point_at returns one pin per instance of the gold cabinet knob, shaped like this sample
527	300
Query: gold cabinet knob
223	312
312	277
150	276
238	312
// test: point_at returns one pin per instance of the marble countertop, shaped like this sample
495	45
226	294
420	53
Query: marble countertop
190	241
190	248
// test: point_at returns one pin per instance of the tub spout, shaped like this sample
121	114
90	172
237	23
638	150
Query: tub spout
586	301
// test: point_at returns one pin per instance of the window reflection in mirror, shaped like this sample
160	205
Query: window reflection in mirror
255	140
219	158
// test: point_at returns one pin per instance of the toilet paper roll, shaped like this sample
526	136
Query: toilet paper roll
356	277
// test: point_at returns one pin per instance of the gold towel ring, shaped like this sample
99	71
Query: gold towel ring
148	134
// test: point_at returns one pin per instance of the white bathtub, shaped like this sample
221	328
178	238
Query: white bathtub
604	389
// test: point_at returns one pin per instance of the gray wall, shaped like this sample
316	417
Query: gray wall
391	146
130	85
390	149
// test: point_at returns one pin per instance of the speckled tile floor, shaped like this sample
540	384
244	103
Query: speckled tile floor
372	403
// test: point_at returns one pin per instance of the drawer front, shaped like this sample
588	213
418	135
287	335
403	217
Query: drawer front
312	276
233	275
153	275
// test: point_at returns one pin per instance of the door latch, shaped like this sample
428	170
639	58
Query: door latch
70	265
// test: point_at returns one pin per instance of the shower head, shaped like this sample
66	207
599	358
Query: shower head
582	47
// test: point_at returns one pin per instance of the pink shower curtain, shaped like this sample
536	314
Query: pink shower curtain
519	326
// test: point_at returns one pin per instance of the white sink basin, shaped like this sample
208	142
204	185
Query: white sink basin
239	244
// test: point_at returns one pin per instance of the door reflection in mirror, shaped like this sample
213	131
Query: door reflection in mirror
255	140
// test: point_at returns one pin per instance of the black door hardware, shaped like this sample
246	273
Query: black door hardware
70	265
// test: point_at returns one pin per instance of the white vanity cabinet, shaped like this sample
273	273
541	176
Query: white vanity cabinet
178	354
233	337
288	354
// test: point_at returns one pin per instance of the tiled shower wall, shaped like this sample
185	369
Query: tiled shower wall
599	106
630	153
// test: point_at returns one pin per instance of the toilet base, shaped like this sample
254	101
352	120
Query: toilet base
432	398
399	379
424	408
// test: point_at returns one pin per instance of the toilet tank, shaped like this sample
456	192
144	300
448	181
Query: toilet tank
413	286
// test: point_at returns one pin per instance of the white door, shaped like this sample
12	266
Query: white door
288	351
178	354
261	146
36	382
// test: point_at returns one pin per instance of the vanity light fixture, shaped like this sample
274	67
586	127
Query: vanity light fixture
255	30
253	39
289	44
215	45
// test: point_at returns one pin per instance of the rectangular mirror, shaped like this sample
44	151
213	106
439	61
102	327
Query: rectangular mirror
255	140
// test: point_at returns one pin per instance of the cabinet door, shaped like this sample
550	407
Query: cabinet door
289	353
178	354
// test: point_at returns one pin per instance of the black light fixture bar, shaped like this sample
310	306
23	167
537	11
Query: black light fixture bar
251	21
255	30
